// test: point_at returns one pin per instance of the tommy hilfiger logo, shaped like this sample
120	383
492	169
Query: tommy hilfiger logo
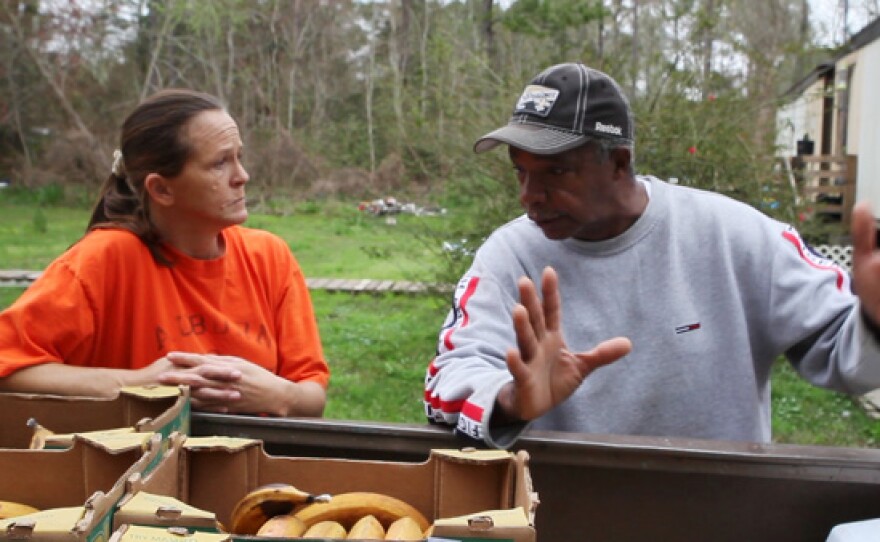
608	129
684	329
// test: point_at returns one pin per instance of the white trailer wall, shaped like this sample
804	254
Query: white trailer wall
867	142
801	116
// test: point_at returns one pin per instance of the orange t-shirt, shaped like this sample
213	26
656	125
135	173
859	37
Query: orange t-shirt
106	303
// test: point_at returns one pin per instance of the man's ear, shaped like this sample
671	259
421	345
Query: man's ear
159	189
621	157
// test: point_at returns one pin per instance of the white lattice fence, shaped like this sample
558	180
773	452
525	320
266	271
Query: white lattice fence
841	254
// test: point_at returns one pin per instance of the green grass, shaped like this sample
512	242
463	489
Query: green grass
29	242
335	242
379	345
8	295
805	414
342	242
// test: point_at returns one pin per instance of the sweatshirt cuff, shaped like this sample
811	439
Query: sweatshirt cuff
505	436
868	325
867	364
501	436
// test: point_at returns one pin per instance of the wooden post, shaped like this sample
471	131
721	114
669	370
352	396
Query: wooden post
831	176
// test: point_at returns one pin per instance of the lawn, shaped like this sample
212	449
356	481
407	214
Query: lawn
379	344
338	242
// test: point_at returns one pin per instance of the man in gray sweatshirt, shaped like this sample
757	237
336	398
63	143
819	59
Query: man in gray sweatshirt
662	308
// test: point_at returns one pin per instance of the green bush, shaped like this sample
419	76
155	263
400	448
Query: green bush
49	195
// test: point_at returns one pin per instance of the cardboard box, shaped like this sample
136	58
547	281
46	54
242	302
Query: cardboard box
137	533
468	494
624	488
75	489
147	409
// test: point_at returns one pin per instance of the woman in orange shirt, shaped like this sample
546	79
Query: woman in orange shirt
167	286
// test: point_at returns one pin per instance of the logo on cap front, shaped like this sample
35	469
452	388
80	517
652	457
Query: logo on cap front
537	100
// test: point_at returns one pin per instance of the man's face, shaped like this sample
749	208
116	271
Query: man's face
571	194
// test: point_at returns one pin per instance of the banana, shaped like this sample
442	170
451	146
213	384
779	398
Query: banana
38	439
325	529
10	509
266	502
367	528
284	526
405	528
347	508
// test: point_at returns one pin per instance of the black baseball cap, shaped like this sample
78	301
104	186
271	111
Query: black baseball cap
563	107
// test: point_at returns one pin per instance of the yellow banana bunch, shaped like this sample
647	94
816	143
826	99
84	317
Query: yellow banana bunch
284	526
405	528
264	503
367	528
325	529
348	508
10	509
284	511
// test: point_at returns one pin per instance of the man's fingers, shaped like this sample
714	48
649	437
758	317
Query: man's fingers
606	352
552	304
529	299
526	339
863	234
515	365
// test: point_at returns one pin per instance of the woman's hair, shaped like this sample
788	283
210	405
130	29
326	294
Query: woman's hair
152	140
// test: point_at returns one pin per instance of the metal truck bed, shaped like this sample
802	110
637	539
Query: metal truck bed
623	488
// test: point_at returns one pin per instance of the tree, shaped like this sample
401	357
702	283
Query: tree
320	87
560	21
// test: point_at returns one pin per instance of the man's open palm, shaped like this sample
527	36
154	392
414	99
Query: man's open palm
545	372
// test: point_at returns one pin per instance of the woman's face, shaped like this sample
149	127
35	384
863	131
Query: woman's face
209	191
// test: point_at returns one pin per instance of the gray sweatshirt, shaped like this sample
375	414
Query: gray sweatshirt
709	290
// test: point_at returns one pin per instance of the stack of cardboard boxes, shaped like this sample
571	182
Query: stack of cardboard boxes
126	469
89	448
